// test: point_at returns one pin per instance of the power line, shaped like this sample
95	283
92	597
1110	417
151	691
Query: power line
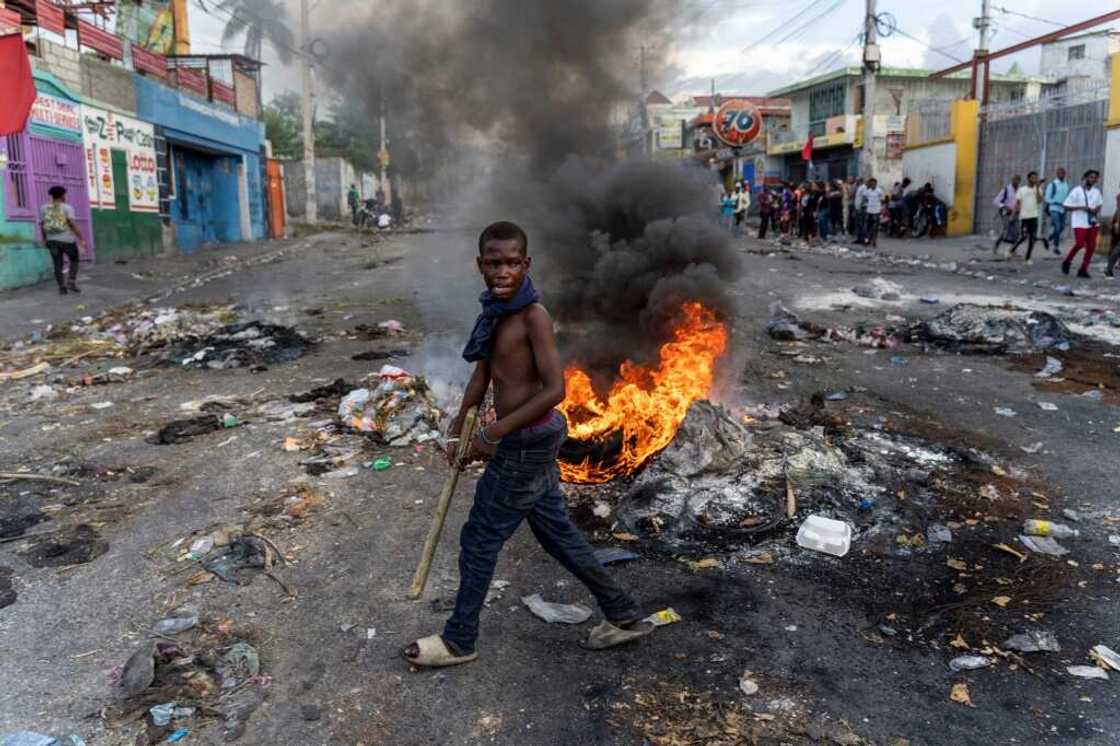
835	57
911	37
782	25
805	26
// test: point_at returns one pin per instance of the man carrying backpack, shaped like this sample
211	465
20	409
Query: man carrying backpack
62	238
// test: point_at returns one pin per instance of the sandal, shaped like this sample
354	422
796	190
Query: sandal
607	635
434	653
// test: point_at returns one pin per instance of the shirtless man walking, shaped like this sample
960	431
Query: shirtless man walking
514	347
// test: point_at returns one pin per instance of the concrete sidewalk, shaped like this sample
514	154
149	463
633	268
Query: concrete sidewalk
105	286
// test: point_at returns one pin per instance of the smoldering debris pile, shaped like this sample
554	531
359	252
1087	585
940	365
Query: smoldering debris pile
963	328
977	329
243	345
396	406
723	483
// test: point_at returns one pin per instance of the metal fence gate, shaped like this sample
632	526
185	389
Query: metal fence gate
1064	129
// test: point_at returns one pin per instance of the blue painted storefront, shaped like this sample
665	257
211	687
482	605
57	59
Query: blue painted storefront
214	156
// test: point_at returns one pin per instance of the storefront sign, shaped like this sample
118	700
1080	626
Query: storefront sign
56	112
149	62
219	91
104	42
149	24
820	142
191	80
669	137
50	16
104	131
737	122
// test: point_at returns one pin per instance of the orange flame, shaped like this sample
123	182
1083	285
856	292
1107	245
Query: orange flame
645	405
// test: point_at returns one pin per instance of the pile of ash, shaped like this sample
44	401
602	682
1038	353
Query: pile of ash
251	343
994	331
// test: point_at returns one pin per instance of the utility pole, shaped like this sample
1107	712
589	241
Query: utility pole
643	82
383	151
312	211
871	58
982	24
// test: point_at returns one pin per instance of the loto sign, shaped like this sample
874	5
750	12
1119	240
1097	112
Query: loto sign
737	123
105	131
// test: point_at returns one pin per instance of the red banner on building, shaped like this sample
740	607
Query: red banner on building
219	91
191	80
149	62
19	86
50	16
107	44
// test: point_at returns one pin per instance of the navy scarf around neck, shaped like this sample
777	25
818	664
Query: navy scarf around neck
478	346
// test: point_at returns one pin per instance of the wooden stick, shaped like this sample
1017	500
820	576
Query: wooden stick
791	500
420	579
14	475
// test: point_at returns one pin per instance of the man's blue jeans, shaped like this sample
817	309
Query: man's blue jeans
1058	221
522	482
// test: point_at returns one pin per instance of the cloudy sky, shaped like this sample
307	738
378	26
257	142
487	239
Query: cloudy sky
752	46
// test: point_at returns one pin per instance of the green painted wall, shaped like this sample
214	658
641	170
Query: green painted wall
119	233
22	261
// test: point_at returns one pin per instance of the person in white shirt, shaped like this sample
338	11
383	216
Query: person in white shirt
742	197
873	205
1027	200
1083	205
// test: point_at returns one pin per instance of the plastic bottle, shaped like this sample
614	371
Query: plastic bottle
1035	527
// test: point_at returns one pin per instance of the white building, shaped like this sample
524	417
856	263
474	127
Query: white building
1083	56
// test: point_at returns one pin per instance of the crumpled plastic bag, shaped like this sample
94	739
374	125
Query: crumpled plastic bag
556	613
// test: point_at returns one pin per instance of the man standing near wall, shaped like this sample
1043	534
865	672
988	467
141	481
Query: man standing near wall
352	198
62	238
1056	192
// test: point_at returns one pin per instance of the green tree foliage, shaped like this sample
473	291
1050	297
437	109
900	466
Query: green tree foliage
283	125
261	21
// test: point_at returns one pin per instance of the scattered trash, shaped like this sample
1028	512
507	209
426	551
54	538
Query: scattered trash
746	685
180	431
101	405
200	548
663	617
939	534
1037	641
1036	527
1005	412
601	510
238	663
990	330
836	396
826	535
392	326
371	355
1114	540
178	621
866	503
899	360
382	463
1047	406
556	613
611	555
1032	448
1071	514
400	408
42	392
342	473
1105	656
243	345
970	662
178	735
310	713
242	553
1043	545
879	289
229	420
139	670
161	714
1052	368
959	693
929	299
785	326
1087	672
1063	289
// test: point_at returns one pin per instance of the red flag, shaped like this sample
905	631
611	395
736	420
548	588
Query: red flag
19	86
807	151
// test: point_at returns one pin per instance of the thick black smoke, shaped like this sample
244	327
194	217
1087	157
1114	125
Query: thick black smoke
539	87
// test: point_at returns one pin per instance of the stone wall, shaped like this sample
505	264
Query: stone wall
108	84
61	62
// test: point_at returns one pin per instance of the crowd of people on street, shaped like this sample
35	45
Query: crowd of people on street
856	209
1022	206
852	209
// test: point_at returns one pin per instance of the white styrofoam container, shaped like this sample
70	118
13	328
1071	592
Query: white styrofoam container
825	535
